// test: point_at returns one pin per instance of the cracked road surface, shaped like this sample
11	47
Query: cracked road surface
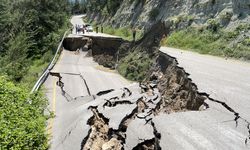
132	120
67	128
225	80
211	129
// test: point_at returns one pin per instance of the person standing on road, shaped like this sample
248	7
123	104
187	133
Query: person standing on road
101	29
134	34
96	28
76	28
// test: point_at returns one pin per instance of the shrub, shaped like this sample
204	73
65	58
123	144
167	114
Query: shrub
124	32
22	124
226	15
213	25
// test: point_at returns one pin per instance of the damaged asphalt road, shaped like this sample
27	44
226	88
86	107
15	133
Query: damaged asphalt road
81	79
138	126
132	117
128	117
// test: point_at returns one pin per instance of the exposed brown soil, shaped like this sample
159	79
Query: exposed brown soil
178	91
166	88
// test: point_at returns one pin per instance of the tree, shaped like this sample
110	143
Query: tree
29	29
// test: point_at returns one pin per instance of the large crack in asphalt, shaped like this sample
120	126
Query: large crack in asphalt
124	119
235	113
116	138
66	95
169	90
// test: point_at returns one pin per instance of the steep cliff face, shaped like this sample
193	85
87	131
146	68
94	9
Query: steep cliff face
144	13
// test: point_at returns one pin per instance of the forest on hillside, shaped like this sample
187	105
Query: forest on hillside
30	32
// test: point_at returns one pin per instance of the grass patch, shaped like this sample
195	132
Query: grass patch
209	42
135	66
35	70
125	32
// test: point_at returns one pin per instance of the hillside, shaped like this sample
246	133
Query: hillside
30	32
220	27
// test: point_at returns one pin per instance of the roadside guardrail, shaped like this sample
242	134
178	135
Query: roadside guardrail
45	74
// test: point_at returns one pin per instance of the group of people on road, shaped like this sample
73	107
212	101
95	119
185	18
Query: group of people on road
80	28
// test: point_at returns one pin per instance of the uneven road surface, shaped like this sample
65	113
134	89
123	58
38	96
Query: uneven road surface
225	80
214	128
211	129
81	76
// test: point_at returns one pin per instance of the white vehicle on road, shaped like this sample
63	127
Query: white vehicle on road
89	28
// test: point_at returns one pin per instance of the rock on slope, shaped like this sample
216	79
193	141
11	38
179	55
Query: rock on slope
144	13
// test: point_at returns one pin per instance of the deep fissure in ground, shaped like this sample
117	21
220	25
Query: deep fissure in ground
156	71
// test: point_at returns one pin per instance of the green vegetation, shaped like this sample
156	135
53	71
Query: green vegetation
134	65
22	123
213	40
30	32
125	33
182	18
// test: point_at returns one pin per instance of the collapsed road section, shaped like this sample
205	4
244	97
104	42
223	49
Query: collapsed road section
165	110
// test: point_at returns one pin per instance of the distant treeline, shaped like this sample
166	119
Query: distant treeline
28	30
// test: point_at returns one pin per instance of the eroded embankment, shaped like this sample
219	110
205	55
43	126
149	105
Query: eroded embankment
142	61
74	43
164	87
104	50
123	119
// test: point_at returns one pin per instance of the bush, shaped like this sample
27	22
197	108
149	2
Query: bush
22	124
213	25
